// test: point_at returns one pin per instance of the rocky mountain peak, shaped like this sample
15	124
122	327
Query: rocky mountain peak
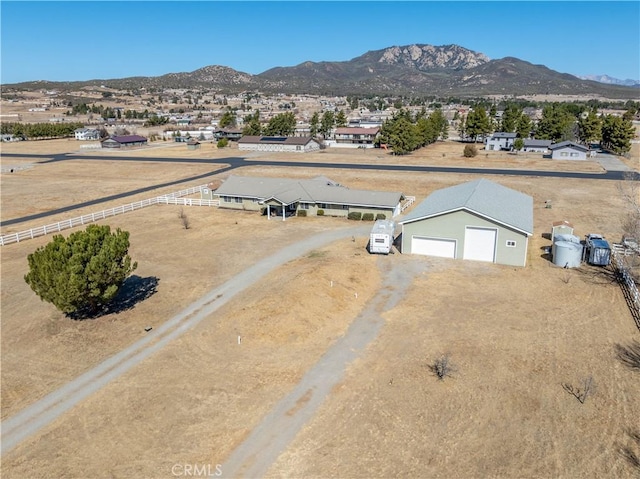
427	57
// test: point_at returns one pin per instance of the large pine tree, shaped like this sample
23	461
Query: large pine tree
82	272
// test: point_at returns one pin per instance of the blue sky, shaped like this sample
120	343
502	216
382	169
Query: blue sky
79	40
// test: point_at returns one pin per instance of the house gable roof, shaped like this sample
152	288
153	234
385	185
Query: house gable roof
568	144
276	140
346	130
502	134
538	143
483	197
316	190
128	138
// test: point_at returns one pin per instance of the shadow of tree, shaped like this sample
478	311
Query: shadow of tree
133	291
599	274
632	452
629	355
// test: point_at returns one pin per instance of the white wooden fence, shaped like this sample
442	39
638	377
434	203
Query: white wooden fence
169	199
628	285
409	202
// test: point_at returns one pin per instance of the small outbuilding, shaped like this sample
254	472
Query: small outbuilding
561	228
479	220
193	144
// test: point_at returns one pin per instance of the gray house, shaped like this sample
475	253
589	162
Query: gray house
291	144
568	150
501	141
315	197
479	220
536	146
124	141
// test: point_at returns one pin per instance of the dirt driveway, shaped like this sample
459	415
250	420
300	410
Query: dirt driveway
515	335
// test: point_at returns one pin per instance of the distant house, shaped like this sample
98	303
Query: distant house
285	144
478	220
316	197
568	150
87	134
124	141
231	134
536	146
351	137
365	123
501	141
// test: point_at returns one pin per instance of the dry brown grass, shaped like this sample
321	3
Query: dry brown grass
514	334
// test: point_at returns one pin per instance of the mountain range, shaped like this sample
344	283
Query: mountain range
418	70
610	80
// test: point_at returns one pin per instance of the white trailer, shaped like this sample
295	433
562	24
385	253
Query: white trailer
381	238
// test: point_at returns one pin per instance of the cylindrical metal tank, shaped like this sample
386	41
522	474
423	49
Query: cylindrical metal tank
563	237
567	254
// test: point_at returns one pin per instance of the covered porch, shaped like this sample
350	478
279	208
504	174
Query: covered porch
277	209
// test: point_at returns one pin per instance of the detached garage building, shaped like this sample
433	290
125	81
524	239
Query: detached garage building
479	220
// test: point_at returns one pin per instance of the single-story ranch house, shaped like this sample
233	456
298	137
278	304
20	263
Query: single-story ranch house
316	197
479	220
295	144
124	141
536	146
567	150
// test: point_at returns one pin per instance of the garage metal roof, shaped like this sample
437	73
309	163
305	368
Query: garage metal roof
483	197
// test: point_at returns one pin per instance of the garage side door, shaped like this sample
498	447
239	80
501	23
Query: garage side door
433	247
480	244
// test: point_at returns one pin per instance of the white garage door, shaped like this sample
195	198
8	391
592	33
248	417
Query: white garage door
433	247
480	244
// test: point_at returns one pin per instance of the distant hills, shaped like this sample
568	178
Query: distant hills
419	69
610	80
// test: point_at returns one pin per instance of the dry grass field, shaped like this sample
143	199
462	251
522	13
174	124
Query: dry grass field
515	335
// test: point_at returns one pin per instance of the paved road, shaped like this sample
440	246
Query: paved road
33	418
232	163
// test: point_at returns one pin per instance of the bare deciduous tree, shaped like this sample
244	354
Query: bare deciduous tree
186	224
442	367
629	355
581	393
632	453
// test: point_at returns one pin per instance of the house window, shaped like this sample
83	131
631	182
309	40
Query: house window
564	153
304	206
226	199
511	243
237	199
573	155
